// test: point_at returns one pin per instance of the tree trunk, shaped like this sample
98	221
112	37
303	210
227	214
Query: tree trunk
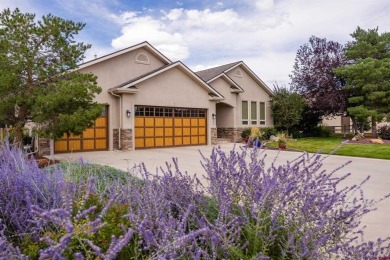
18	135
374	128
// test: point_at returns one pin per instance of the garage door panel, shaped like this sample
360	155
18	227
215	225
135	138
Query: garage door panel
101	144
101	133
74	145
178	131
194	140
89	133
187	131
89	144
149	142
172	127
159	131
101	122
159	141
139	121
149	121
139	142
168	141
168	131
168	121
149	132
61	145
178	121
159	122
194	131
139	132
186	122
186	140
178	141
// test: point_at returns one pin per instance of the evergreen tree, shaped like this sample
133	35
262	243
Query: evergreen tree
367	76
38	80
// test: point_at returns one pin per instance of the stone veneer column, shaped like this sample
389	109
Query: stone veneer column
43	146
126	139
214	138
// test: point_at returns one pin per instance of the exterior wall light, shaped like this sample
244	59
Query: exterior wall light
214	116
128	113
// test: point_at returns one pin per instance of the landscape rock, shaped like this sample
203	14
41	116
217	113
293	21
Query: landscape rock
377	141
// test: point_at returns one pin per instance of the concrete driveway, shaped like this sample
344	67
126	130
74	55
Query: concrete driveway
378	222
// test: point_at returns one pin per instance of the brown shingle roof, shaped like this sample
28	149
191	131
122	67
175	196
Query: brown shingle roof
208	74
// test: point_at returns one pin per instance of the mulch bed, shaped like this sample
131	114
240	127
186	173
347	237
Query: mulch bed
43	161
367	141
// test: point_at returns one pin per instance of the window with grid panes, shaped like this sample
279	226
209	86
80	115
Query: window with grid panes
262	113
244	116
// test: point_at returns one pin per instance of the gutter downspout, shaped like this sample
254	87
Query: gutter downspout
120	118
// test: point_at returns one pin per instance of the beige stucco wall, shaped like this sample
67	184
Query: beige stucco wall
173	88
115	71
253	92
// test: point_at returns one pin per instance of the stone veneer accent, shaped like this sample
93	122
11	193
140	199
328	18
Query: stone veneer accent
43	146
233	134
214	138
126	139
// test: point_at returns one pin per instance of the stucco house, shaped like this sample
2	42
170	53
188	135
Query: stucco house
152	102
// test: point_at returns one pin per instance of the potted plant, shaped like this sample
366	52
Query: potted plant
256	135
246	134
282	141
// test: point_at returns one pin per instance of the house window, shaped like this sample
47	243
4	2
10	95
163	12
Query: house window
262	113
142	58
244	112
253	113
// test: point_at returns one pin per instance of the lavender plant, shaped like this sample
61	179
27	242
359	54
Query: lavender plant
246	210
22	183
296	210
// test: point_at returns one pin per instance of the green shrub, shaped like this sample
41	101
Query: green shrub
384	132
321	131
268	131
246	133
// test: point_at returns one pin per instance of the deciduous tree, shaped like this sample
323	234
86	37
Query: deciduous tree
286	107
368	75
38	76
314	79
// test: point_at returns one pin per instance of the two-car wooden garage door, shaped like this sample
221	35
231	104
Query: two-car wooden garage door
166	126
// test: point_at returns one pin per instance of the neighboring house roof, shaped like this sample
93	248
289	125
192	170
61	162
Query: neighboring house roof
212	74
130	86
144	44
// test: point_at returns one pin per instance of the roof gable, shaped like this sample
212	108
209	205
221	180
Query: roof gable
129	86
145	44
213	73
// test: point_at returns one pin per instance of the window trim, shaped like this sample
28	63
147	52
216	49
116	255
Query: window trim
262	121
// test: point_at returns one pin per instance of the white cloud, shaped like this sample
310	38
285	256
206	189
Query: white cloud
174	14
264	4
146	28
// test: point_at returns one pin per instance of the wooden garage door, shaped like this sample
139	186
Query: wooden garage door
92	139
166	126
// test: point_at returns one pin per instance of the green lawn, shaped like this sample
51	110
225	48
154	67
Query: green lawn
326	145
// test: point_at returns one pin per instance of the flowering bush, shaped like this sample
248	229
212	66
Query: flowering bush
245	210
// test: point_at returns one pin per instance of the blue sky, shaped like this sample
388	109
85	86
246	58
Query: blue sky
265	34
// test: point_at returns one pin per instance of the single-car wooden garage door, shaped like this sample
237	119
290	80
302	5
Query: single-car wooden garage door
167	126
92	139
